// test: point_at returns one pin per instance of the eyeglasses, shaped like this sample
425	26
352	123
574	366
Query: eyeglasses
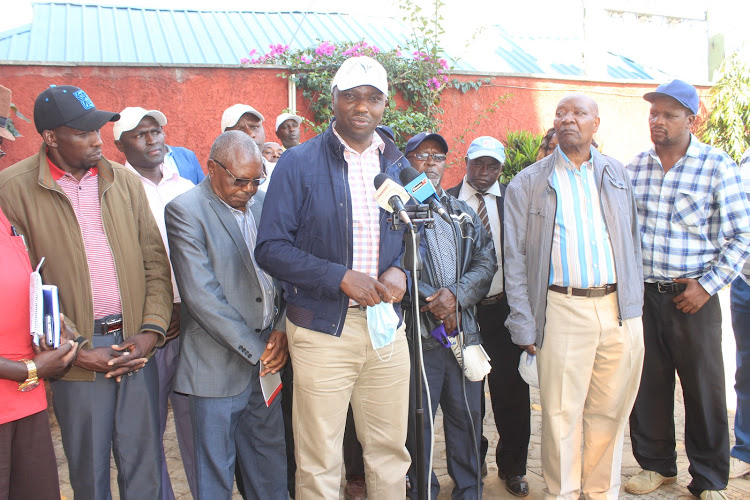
239	182
424	156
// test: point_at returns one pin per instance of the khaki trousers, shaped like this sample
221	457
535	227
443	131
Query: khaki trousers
329	372
589	373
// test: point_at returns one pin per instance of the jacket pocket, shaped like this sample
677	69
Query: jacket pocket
689	209
619	190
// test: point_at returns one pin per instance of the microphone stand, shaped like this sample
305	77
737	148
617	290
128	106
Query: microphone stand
413	262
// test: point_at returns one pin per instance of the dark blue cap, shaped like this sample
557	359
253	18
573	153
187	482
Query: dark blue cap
418	139
683	92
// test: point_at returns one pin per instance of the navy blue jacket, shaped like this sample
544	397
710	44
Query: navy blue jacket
187	164
305	235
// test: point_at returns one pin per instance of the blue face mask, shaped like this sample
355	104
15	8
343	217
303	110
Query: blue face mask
382	322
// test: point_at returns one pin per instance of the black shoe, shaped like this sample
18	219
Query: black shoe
516	485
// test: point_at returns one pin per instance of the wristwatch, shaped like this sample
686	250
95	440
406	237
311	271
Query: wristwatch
32	381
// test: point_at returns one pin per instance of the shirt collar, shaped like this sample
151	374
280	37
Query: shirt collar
167	172
470	191
239	212
57	173
565	161
376	141
693	150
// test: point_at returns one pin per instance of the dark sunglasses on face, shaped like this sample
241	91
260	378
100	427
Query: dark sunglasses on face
239	182
424	156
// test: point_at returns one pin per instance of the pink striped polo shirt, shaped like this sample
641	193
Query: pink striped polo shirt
84	197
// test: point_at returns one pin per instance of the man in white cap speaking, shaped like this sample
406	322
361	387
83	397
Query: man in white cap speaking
287	129
325	238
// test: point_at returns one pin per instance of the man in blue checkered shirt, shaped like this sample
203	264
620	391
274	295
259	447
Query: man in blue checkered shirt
695	234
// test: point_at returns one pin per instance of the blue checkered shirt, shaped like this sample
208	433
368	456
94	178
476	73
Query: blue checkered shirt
695	219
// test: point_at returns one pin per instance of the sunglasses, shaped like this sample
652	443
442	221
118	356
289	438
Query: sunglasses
239	182
424	156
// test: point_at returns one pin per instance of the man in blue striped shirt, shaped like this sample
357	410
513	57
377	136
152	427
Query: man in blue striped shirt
695	233
572	277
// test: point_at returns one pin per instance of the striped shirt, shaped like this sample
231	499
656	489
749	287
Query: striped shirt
695	218
362	170
249	230
84	197
581	254
468	194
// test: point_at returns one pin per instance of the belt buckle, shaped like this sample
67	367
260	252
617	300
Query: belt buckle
599	291
112	325
665	286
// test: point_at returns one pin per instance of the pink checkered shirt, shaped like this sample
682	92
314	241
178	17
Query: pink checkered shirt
363	168
84	197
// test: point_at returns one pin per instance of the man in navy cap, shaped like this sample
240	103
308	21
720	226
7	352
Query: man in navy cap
695	233
449	305
90	219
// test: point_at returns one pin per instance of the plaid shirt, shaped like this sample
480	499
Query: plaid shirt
695	218
362	169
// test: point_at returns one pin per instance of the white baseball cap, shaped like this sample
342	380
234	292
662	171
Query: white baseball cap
233	114
286	116
131	117
362	70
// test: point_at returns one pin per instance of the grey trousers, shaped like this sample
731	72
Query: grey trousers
166	361
104	415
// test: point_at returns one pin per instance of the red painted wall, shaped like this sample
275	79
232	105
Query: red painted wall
194	98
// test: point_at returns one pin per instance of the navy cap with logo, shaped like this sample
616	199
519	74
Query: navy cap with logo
69	106
418	139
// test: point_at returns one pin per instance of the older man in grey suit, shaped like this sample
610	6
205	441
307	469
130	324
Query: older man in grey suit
229	323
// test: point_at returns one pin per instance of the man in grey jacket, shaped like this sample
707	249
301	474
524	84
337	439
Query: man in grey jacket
231	331
573	268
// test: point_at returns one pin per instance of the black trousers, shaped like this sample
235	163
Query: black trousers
691	344
508	391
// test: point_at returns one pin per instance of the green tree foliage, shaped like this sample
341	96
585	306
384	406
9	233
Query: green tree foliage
521	148
728	124
418	73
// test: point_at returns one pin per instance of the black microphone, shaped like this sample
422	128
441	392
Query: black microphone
419	186
391	197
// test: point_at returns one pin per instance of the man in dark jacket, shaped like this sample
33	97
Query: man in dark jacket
323	235
452	304
482	191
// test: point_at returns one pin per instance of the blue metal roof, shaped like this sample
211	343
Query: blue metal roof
79	33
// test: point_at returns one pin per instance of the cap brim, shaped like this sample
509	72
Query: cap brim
650	96
485	152
93	120
5	134
435	137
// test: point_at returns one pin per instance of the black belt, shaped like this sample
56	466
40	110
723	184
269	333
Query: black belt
597	291
668	287
108	324
488	301
357	306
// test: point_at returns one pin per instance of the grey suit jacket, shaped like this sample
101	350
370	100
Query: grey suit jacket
222	303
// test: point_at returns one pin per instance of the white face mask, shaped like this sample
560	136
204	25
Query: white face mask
382	322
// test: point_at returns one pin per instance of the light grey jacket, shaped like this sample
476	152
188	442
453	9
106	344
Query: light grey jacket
222	303
530	209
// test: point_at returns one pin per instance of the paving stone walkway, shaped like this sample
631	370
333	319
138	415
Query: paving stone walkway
494	489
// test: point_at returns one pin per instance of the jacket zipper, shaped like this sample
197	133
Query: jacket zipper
614	261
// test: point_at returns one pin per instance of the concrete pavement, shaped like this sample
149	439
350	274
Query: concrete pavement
494	489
